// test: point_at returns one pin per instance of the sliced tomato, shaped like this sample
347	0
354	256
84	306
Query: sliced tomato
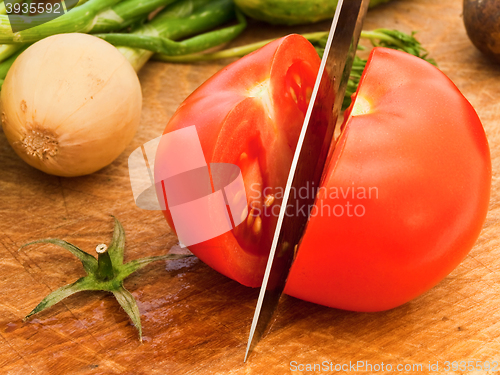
413	164
404	194
250	114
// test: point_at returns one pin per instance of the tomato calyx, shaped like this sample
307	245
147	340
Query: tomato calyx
106	273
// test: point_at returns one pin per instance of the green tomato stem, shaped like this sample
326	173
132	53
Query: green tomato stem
105	270
107	273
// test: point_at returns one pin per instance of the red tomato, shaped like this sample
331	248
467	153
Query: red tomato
416	142
403	197
250	114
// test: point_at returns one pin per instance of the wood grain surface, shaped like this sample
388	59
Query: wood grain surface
196	321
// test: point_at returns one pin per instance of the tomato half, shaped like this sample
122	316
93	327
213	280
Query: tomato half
250	114
404	194
413	164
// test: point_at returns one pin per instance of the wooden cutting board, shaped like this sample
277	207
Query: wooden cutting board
196	321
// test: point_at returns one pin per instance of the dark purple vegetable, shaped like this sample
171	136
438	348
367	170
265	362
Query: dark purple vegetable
482	22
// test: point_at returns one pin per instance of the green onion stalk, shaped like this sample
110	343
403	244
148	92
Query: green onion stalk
7	50
96	17
92	16
79	19
69	22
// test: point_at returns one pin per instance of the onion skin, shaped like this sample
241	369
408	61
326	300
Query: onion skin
71	103
482	22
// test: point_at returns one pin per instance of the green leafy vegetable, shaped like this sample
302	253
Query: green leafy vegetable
393	39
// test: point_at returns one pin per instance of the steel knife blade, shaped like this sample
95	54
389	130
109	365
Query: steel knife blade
309	158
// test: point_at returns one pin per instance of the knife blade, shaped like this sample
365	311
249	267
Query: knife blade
309	158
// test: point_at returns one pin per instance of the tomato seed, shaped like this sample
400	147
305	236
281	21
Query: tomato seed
296	77
257	226
269	200
250	218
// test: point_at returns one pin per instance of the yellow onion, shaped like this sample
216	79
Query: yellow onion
71	103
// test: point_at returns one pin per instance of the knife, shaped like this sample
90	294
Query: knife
309	158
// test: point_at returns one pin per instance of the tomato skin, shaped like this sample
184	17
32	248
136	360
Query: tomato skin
422	146
247	115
